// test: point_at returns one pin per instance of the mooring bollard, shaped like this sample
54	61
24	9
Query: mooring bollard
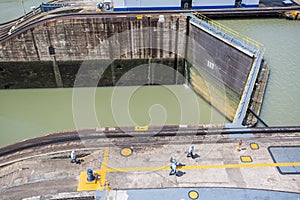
90	175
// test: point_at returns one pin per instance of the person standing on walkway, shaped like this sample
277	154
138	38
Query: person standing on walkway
190	152
73	157
240	145
173	168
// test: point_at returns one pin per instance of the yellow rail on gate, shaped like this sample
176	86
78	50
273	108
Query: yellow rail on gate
218	26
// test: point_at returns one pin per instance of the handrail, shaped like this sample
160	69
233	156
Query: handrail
226	30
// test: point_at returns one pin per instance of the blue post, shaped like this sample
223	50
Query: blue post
90	175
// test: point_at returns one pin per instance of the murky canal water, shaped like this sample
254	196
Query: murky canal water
33	112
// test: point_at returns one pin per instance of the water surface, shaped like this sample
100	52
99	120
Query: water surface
33	112
13	9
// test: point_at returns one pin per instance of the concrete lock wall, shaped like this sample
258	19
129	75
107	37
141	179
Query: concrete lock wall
84	38
129	40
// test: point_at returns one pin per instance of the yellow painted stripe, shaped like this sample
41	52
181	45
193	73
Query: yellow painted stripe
205	167
137	169
141	128
104	168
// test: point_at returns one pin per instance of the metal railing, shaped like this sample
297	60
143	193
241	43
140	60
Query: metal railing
239	39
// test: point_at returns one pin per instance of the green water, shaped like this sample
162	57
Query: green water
12	9
33	112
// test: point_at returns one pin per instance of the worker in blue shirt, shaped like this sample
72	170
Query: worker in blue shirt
173	168
73	157
190	152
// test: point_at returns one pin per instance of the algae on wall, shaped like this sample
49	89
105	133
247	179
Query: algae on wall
217	94
91	73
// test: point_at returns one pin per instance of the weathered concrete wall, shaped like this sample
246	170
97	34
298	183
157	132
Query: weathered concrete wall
39	74
96	37
108	47
34	74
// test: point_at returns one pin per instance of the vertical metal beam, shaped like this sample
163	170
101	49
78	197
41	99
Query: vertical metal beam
35	46
111	52
185	73
149	50
176	53
56	72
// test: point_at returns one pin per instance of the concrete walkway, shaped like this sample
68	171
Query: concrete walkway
218	171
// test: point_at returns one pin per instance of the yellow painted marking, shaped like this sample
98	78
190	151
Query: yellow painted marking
254	146
133	169
126	151
104	169
193	194
248	165
246	159
83	185
141	128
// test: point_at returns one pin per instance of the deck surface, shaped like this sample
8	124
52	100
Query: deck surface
218	168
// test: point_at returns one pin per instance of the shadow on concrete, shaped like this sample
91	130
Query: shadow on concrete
180	173
195	156
80	161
